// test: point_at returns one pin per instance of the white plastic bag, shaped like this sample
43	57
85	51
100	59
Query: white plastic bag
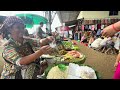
117	44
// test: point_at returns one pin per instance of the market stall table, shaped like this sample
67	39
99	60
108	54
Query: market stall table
103	63
66	63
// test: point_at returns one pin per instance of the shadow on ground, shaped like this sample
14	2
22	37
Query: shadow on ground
103	63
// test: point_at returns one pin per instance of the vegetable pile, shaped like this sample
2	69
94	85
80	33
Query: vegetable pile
71	71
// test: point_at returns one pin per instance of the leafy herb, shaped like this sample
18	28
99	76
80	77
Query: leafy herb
62	67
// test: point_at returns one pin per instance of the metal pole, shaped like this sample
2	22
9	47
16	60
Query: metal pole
50	21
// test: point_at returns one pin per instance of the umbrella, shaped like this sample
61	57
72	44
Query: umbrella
32	19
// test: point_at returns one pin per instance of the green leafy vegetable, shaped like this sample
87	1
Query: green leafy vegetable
62	67
75	48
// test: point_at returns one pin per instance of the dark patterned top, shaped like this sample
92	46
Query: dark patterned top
13	52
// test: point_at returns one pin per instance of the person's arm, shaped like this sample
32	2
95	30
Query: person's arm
90	41
32	57
117	60
12	56
39	42
111	29
116	26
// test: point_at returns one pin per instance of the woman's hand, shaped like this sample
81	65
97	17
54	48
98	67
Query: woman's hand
108	31
50	38
45	49
46	41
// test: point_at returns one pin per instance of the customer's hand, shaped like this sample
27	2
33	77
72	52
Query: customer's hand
117	60
108	31
46	49
116	64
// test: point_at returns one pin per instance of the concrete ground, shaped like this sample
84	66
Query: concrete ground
103	63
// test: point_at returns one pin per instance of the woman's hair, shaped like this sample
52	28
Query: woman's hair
8	23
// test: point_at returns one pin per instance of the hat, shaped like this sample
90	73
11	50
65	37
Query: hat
9	21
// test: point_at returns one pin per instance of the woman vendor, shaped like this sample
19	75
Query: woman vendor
21	62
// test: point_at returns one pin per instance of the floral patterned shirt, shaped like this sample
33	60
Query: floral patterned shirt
12	54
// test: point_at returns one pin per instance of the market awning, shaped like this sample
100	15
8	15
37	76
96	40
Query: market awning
66	16
74	22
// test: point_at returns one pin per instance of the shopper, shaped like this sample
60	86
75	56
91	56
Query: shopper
39	32
91	40
109	32
26	33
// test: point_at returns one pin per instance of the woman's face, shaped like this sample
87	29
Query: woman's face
17	30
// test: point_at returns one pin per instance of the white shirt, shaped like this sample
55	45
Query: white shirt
117	44
96	43
104	41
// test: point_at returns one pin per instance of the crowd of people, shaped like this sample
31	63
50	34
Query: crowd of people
105	41
107	45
